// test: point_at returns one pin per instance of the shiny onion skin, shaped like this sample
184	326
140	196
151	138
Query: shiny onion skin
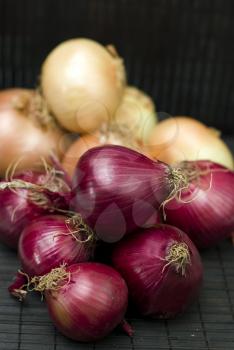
47	243
205	209
21	136
117	190
158	286
18	208
103	250
91	304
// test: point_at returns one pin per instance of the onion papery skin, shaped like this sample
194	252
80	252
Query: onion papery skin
47	243
117	190
21	138
91	304
17	208
83	83
155	287
208	215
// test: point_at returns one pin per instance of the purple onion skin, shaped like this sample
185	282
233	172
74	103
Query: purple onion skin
47	243
157	290
17	210
117	190
91	304
208	217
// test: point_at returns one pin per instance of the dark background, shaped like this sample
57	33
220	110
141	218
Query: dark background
182	53
179	51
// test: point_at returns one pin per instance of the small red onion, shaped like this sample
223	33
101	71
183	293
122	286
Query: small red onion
87	301
117	190
204	209
52	240
162	269
26	197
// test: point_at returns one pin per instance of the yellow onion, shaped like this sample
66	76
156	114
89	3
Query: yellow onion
82	82
137	112
22	138
184	138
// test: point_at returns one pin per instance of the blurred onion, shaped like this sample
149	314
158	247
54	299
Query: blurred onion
22	136
83	83
184	138
137	113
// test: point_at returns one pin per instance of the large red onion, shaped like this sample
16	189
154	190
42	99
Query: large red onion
162	269
88	302
26	197
52	240
204	209
118	190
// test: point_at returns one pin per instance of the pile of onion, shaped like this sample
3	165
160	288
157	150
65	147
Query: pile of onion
162	269
182	138
107	191
83	82
25	132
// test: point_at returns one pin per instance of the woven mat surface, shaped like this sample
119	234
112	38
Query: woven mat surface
208	324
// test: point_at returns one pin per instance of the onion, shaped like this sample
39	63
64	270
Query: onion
109	134
137	113
204	209
28	195
86	301
162	269
83	83
183	138
21	136
117	190
52	240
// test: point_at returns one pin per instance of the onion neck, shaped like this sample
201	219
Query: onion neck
38	112
179	257
178	181
118	66
79	230
119	134
50	281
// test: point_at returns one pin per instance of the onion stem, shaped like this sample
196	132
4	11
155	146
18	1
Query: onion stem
50	280
179	256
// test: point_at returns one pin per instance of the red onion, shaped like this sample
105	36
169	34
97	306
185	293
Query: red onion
86	301
117	190
25	197
204	209
52	240
162	269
